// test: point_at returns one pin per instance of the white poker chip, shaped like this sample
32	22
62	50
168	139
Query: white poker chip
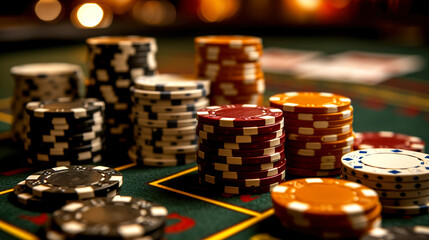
171	82
388	165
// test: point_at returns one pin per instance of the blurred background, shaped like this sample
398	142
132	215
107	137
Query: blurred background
27	23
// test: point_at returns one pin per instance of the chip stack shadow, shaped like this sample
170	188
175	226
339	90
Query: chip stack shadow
65	132
241	148
232	64
164	117
41	81
319	131
114	62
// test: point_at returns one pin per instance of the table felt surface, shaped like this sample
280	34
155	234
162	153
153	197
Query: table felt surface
399	104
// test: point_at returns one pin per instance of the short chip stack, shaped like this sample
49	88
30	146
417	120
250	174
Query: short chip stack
120	217
327	208
41	81
50	189
318	128
387	139
241	148
164	117
232	64
114	62
64	132
400	177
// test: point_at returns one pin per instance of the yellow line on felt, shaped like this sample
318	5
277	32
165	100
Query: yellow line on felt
240	226
222	204
7	118
120	168
17	232
6	191
5	102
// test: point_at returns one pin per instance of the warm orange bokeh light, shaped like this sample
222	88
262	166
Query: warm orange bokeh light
48	10
90	14
308	5
154	12
219	10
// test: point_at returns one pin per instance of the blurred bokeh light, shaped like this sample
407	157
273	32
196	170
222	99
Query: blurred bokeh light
48	10
154	12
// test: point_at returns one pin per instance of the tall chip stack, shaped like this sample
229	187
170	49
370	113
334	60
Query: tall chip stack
319	131
41	81
326	208
164	112
114	62
241	148
50	189
400	177
232	64
65	132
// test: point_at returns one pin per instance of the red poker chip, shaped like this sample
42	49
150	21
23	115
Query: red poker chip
266	144
241	152
239	168
313	165
313	153
241	131
241	160
240	115
249	182
239	138
242	175
238	190
386	139
311	173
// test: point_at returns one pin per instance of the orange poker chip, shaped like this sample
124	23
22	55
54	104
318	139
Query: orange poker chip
310	102
219	49
318	131
324	138
320	117
326	197
232	41
321	145
318	124
323	152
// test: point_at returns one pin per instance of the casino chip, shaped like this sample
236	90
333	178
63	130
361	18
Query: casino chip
50	189
120	217
241	150
385	139
326	208
64	132
318	131
395	233
232	65
39	82
400	177
114	62
166	130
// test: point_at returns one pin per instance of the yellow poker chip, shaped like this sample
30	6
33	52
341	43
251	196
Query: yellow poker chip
310	102
324	197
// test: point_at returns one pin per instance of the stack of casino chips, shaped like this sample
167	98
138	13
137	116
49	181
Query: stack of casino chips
417	232
164	112
50	189
327	208
241	148
232	64
41	81
114	62
318	128
400	177
387	139
64	132
120	217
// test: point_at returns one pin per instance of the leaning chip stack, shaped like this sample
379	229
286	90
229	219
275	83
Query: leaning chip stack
41	81
232	64
318	128
400	177
64	132
386	139
114	62
241	148
164	116
327	208
50	189
120	217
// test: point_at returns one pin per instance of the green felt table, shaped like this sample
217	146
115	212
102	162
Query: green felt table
399	105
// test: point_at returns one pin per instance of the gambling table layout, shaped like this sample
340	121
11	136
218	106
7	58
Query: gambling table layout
399	105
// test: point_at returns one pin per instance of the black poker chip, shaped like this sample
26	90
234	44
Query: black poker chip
74	182
398	233
120	217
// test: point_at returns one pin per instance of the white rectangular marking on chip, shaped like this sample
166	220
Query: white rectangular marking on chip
269	120
130	230
280	189
229	175
85	192
32	177
243	139
252	182
122	199
226	122
234	160
231	190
